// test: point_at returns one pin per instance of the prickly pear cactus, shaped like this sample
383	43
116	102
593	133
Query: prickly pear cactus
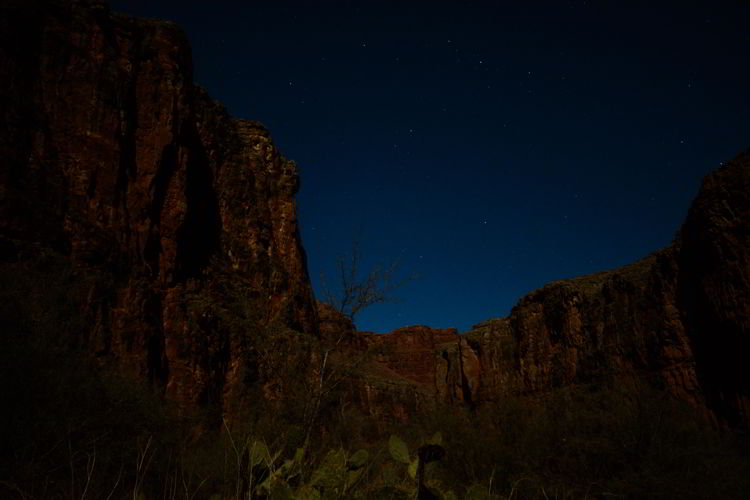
398	449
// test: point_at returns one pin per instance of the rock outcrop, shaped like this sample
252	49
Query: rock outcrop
111	155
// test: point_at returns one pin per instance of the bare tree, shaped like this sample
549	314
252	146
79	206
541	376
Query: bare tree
357	291
354	292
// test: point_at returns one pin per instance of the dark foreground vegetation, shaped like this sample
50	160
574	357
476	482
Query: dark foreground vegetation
73	429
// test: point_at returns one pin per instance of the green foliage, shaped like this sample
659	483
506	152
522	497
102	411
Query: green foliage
398	449
269	475
359	459
419	468
259	454
436	439
331	470
588	440
477	492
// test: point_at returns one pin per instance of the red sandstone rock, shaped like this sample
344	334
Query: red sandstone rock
110	154
411	351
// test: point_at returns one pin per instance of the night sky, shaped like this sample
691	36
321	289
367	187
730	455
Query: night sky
486	147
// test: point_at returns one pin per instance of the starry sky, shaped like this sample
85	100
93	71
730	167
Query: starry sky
488	148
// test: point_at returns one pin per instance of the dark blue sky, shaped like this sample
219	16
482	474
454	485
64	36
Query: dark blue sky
489	149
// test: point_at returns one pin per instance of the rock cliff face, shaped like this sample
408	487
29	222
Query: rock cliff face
678	319
112	156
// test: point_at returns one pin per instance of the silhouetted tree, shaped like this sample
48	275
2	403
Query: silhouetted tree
357	291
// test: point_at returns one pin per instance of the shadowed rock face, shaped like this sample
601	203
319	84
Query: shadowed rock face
714	286
112	156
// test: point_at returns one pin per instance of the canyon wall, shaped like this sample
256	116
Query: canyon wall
678	319
113	157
